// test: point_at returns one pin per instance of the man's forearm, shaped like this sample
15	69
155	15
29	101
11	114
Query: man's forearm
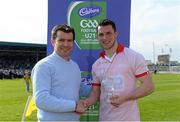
93	98
144	90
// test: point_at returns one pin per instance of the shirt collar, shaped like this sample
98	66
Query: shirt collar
119	49
110	59
59	57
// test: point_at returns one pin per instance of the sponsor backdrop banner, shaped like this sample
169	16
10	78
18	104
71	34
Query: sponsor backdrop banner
84	16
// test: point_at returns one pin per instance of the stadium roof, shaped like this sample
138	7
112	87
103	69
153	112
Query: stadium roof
17	44
15	48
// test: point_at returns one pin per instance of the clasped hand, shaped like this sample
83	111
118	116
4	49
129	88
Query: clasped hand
81	107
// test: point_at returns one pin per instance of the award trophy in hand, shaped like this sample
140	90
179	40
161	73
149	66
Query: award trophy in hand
113	86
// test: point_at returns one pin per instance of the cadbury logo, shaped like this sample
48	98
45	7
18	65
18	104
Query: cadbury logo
89	11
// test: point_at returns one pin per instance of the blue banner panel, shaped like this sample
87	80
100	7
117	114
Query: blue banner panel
84	16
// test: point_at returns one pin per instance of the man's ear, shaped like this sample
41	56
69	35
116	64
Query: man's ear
53	42
116	34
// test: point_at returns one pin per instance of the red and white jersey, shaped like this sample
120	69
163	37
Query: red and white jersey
118	75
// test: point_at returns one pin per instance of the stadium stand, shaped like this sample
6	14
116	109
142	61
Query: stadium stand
16	58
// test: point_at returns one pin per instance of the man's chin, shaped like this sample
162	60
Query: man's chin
106	48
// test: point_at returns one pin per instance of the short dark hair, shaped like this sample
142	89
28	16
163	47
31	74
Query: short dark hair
65	28
106	22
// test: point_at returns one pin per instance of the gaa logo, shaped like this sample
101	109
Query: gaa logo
88	23
85	16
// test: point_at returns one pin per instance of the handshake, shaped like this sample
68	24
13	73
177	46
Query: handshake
81	106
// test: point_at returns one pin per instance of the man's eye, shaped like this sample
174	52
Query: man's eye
100	35
109	33
61	40
70	40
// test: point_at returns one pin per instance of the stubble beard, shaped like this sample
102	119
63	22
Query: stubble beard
109	47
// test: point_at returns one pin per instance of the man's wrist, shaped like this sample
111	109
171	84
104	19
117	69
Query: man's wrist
75	106
87	104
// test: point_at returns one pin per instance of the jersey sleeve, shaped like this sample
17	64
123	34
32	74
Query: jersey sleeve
141	68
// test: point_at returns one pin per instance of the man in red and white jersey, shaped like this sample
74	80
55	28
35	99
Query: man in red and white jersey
115	76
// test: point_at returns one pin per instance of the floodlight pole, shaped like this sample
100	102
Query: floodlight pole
166	45
154	60
169	58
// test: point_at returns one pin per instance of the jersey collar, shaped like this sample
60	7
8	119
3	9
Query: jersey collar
119	49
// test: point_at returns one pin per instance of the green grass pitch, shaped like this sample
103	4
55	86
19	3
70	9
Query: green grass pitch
162	105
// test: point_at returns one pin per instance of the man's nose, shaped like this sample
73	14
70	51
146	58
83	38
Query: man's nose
65	43
104	37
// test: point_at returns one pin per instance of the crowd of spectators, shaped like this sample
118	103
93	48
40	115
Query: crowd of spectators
11	68
16	58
